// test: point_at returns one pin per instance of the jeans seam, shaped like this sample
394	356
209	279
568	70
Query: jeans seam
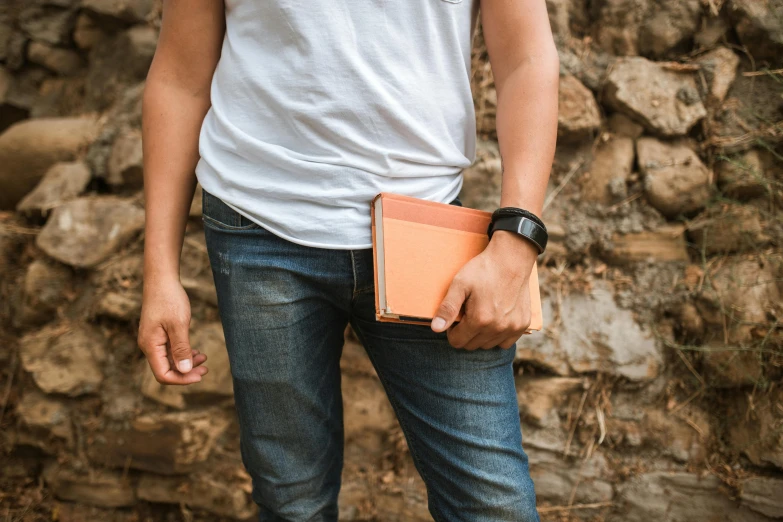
409	434
355	275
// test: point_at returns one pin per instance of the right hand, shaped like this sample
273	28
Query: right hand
163	334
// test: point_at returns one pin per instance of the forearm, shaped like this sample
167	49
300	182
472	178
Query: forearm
171	121
527	130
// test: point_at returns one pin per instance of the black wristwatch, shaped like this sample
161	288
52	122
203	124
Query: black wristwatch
520	222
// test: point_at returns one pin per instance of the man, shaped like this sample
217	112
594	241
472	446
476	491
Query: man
293	115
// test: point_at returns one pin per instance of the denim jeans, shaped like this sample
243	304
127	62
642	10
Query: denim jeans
284	309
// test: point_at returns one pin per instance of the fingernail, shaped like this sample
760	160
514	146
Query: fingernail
185	365
438	323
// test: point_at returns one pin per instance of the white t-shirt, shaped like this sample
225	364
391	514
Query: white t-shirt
318	106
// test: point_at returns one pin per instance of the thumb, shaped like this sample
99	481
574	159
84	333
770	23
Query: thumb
450	306
179	344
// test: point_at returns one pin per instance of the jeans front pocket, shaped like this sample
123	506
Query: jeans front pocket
216	213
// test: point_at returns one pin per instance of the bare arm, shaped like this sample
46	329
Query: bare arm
493	287
176	99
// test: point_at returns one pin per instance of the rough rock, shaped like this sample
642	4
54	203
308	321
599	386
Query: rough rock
46	23
729	228
64	358
596	335
131	11
482	180
195	272
678	496
556	479
46	286
46	418
762	494
682	436
612	165
538	396
617	24
664	101
748	175
29	148
86	231
61	183
224	493
737	297
96	488
61	61
167	443
118	62
87	33
754	427
124	306
578	115
208	339
719	68
622	125
125	167
731	366
758	25
669	27
675	180
666	243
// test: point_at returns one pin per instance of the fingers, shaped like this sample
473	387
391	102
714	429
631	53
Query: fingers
179	344
450	306
166	373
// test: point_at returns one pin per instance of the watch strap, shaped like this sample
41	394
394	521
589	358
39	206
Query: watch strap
523	226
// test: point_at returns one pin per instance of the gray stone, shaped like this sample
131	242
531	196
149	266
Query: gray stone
758	25
613	160
86	231
669	27
748	175
557	479
58	60
729	228
131	11
675	180
104	488
29	148
666	102
49	24
224	493
121	61
61	183
167	443
47	416
46	287
126	162
64	358
617	24
482	180
678	497
595	335
763	494
754	427
578	114
719	67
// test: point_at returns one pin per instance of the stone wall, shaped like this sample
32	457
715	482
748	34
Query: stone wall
654	392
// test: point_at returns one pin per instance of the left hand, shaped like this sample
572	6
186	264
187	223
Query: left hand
493	287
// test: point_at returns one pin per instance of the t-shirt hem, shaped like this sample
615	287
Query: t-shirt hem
296	240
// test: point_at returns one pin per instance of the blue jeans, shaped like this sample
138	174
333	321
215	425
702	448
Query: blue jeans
284	308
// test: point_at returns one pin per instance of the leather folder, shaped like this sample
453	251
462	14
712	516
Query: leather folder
418	248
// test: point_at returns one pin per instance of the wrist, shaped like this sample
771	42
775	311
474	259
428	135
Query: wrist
521	251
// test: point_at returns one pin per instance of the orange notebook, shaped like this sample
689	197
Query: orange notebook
418	248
